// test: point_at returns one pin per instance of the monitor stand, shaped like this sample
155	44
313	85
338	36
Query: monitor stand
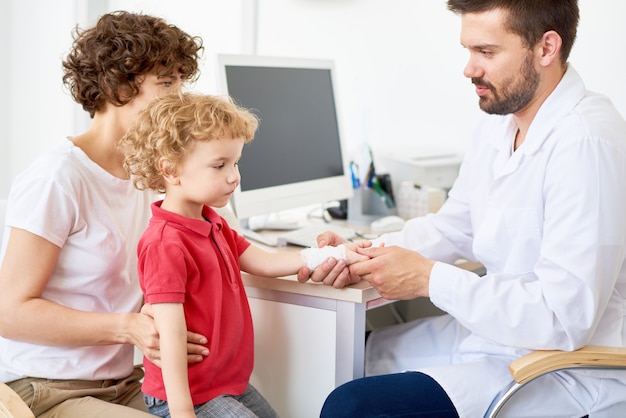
275	221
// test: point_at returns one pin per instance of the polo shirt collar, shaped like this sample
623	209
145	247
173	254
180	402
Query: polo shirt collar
202	227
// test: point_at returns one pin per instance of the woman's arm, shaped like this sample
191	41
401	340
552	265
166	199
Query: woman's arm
170	322
26	316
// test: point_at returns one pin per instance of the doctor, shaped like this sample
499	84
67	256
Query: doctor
540	202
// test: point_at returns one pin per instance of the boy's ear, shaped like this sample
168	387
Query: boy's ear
169	171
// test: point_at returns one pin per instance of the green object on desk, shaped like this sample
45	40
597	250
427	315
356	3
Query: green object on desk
383	195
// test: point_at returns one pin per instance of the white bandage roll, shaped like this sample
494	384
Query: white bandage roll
313	257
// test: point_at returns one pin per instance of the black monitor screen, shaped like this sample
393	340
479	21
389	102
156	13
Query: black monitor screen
298	135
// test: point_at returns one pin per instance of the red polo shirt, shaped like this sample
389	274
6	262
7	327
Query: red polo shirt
196	263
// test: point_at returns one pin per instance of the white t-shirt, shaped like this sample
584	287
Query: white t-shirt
97	220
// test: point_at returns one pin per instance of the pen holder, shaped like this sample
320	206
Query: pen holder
366	205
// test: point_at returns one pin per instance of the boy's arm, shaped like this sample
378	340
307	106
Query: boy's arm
257	261
254	260
170	322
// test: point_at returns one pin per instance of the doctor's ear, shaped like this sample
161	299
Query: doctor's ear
550	48
169	171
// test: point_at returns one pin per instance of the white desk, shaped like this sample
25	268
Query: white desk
309	338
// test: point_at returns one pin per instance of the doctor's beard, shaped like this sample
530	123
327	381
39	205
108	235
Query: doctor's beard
516	93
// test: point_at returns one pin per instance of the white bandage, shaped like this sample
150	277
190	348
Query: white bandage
313	257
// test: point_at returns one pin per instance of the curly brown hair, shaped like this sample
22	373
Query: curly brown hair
105	61
168	125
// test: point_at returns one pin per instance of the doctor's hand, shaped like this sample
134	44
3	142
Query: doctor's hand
149	344
395	272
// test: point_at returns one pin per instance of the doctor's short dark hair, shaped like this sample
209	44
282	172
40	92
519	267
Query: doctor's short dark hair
106	62
530	19
167	127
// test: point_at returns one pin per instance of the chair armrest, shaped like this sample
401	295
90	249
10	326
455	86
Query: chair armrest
11	405
539	362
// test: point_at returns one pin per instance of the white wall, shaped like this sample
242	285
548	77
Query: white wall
398	68
399	63
5	20
33	105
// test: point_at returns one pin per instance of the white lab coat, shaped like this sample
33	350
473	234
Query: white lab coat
548	222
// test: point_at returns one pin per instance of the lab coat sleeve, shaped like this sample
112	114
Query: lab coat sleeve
559	304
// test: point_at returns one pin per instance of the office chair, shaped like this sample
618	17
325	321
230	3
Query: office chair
538	363
11	405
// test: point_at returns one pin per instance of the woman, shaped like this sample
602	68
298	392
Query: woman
69	294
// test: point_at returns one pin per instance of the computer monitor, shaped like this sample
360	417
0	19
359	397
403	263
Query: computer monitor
297	158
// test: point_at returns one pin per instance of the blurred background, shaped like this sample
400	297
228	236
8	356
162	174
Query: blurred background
398	63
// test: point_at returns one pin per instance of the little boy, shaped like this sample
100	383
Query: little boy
188	147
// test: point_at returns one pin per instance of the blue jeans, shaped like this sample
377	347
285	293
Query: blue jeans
410	394
250	404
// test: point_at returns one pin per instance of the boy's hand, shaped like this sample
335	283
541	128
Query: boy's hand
352	256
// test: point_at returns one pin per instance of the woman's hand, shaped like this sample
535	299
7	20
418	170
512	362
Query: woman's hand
147	339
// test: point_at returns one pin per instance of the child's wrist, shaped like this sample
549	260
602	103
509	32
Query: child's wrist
313	257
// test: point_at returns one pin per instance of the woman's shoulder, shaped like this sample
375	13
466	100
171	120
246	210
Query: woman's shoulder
57	160
54	181
65	166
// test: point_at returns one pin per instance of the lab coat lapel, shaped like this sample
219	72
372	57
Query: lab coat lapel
505	163
559	104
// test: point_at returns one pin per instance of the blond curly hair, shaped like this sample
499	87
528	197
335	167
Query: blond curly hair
169	124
